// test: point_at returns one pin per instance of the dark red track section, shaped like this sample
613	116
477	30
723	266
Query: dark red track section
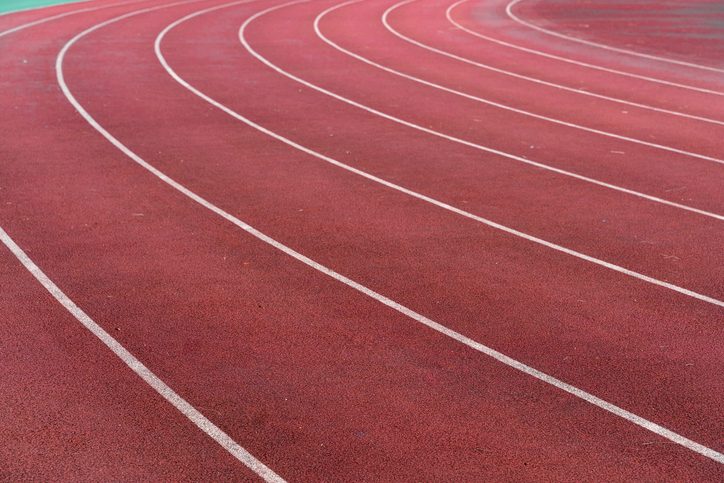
319	381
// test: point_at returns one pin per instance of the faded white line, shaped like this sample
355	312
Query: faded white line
509	11
582	64
523	77
491	103
177	401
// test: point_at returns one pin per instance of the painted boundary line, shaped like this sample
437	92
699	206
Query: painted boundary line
689	444
509	11
582	64
134	364
521	76
491	103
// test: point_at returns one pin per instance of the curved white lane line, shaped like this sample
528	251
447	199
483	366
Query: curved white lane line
491	103
521	76
582	64
655	428
179	403
509	11
65	14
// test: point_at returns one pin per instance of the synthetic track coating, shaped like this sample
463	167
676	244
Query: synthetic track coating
316	380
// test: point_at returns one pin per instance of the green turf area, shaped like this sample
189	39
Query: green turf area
13	5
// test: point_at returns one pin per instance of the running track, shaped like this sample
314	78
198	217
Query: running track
368	241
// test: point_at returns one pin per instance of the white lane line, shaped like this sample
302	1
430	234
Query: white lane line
509	11
491	103
520	76
179	403
66	14
382	181
137	366
450	138
584	64
653	427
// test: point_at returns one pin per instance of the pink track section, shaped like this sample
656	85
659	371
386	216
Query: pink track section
679	30
316	380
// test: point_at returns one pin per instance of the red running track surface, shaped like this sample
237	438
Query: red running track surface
339	379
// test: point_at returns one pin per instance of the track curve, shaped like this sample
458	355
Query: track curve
315	378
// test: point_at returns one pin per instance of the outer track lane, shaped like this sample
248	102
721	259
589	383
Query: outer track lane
228	184
12	20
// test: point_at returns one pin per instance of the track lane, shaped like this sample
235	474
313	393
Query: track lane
314	230
446	468
66	419
501	133
11	22
581	90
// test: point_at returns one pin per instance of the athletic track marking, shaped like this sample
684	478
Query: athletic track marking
134	364
438	134
582	64
486	101
509	11
521	76
703	450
